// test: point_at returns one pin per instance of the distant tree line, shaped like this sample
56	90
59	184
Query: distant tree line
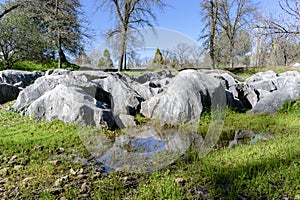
235	33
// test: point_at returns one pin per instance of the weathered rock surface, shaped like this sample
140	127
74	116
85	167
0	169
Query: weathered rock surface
73	97
274	101
19	78
13	81
124	100
273	90
245	95
153	76
8	92
105	99
125	121
71	105
47	83
184	99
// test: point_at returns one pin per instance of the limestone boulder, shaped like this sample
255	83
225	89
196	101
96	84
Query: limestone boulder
185	98
71	105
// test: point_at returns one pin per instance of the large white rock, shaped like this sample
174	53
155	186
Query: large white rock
274	101
71	105
185	98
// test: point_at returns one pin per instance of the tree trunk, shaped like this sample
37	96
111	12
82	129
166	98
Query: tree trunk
231	56
122	52
213	15
60	53
125	60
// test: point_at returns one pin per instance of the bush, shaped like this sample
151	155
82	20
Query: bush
38	66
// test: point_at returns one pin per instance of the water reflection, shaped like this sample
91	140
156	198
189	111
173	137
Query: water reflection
246	137
148	149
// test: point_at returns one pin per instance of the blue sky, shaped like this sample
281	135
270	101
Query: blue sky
182	16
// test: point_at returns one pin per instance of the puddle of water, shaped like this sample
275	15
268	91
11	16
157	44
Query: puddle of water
246	137
146	150
148	145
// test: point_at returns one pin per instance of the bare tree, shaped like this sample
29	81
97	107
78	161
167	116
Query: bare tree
283	32
5	11
233	16
224	20
183	51
288	22
210	16
128	15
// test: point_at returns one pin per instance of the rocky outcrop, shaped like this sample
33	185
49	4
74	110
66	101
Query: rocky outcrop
13	81
153	76
47	83
275	100
8	92
185	98
124	100
18	78
73	97
274	89
113	99
72	105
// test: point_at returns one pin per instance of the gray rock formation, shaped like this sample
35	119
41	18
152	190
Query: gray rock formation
13	81
153	76
19	78
8	92
274	101
185	98
71	105
125	121
47	83
71	97
124	100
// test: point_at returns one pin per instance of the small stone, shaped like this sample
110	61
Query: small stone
55	191
60	150
72	171
39	148
60	181
81	176
18	167
22	161
84	188
13	160
54	162
63	198
96	175
28	179
3	181
84	196
179	180
80	171
4	170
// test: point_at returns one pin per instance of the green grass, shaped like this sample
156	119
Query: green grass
38	66
263	170
249	71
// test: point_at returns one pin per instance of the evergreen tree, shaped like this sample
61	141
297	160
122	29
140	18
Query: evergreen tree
105	62
158	59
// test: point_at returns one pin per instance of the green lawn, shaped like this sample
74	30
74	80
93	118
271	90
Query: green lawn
43	154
